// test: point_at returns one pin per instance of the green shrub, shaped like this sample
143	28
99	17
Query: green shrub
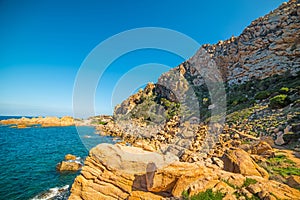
284	90
288	171
238	100
249	181
207	195
103	123
279	101
279	159
185	195
262	95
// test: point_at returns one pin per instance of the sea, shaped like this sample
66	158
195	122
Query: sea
28	159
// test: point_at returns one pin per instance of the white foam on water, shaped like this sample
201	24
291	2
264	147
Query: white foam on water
51	193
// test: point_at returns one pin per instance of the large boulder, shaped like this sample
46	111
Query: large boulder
114	171
239	161
121	172
263	149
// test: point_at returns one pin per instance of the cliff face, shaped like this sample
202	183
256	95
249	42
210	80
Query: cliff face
270	45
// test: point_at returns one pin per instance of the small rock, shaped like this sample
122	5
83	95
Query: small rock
294	181
279	140
246	193
254	188
70	157
218	162
263	149
236	136
68	166
262	194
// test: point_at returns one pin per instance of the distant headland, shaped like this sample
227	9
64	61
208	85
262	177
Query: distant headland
48	121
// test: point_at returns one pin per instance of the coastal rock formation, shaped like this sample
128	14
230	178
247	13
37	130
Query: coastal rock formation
195	90
121	172
112	172
42	121
70	157
68	166
71	163
269	45
176	150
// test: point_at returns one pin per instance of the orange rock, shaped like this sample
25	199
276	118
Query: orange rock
68	166
70	157
141	195
239	161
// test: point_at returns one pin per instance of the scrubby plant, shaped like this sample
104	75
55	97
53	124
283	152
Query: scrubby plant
249	181
103	123
287	171
284	90
279	101
207	195
262	95
172	108
279	159
238	100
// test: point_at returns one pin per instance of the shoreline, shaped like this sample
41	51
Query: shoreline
44	122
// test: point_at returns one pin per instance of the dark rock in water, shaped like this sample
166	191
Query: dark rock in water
54	194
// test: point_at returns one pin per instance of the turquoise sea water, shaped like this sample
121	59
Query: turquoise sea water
28	158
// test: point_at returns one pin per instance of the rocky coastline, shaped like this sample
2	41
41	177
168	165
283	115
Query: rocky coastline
168	153
43	122
173	146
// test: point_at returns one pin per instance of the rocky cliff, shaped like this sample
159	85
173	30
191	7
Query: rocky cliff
184	143
269	46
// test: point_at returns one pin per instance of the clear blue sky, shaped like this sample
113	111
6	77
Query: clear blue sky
43	43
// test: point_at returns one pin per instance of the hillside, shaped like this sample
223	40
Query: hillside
224	124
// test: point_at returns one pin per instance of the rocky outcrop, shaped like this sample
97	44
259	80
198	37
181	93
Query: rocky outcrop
114	172
269	46
71	163
121	172
163	124
42	121
239	161
68	166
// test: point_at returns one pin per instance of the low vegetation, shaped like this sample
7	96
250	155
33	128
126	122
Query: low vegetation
262	95
282	166
279	101
103	123
249	181
207	195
